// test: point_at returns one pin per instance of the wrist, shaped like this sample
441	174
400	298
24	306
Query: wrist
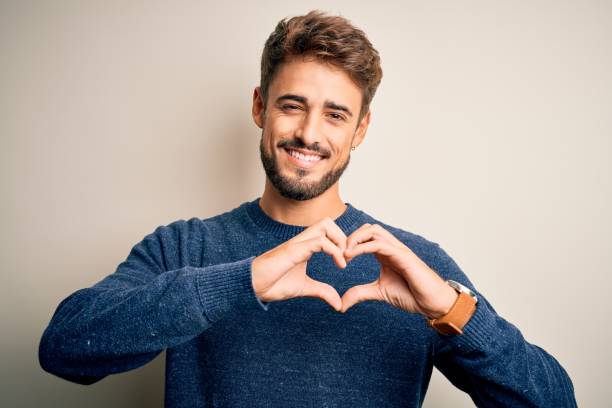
448	298
255	279
460	312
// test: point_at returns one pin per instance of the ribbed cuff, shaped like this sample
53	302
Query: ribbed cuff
478	333
228	288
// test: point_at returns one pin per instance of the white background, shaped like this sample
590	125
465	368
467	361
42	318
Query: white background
490	134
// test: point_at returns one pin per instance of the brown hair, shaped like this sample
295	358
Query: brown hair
330	39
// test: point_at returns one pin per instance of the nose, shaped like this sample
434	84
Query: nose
309	131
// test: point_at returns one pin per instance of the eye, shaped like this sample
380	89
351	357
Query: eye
290	107
336	116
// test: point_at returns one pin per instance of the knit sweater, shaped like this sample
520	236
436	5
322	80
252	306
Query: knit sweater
186	288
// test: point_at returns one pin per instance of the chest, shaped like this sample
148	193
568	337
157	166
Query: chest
305	335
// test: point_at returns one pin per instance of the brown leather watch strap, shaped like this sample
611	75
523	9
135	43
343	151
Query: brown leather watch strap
457	317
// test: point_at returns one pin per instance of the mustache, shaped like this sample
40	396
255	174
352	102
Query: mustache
298	144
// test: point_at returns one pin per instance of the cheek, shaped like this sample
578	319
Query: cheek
279	128
343	148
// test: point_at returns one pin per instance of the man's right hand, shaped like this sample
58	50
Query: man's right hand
280	273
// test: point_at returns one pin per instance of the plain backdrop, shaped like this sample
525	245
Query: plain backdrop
490	134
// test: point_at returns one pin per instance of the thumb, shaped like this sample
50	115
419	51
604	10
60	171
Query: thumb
360	293
323	291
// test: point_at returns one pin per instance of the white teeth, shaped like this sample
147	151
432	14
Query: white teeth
304	157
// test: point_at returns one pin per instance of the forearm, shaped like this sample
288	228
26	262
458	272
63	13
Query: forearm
495	364
114	326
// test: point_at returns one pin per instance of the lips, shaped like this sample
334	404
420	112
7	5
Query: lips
303	158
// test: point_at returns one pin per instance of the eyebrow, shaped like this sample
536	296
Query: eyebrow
328	104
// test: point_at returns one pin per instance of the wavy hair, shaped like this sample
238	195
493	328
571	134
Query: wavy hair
329	39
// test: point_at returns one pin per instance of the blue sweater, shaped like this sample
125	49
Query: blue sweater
186	288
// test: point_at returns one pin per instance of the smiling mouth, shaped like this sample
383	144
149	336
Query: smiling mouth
303	159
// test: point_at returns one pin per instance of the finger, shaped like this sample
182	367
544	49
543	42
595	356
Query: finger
323	291
318	244
326	227
369	231
370	247
353	237
392	238
360	293
332	231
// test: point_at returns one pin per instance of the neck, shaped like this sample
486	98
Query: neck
302	213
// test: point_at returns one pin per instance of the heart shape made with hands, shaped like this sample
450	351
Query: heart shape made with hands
405	281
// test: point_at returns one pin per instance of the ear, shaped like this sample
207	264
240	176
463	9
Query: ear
258	108
360	132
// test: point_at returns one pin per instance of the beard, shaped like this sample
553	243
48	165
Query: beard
297	188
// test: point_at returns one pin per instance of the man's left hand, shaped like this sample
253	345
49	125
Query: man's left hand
405	281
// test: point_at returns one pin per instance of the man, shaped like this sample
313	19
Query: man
231	298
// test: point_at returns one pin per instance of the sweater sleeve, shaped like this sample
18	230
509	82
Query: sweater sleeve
145	306
492	361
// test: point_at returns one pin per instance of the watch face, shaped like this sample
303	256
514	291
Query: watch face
461	288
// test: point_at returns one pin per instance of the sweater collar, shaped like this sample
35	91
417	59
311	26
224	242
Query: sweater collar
347	221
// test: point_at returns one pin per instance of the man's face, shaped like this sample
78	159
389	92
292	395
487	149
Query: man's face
309	127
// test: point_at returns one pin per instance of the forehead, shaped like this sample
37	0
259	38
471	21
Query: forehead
316	81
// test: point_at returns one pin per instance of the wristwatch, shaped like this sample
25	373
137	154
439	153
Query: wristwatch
460	312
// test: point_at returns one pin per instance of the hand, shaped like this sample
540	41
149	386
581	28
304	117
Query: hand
405	281
280	273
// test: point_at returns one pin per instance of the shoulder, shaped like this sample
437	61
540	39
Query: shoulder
195	229
189	241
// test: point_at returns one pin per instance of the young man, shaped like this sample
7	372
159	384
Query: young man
231	298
